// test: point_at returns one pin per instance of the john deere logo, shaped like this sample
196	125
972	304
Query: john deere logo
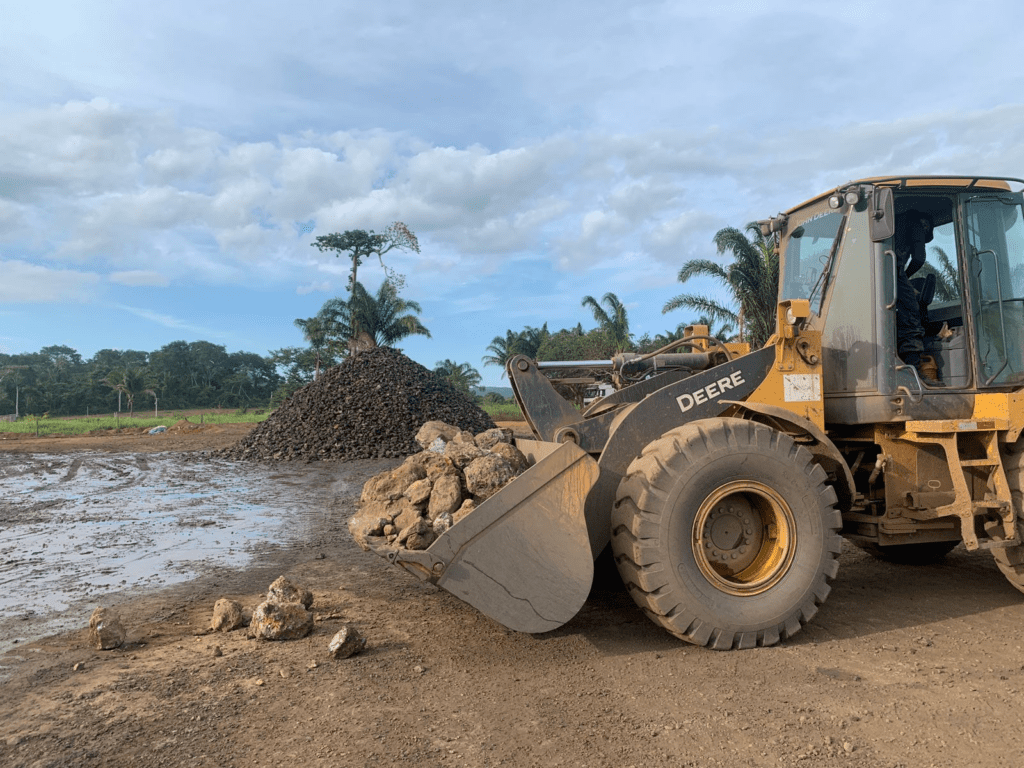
710	392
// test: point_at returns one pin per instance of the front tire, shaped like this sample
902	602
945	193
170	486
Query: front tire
725	533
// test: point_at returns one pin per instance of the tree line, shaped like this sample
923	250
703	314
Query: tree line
58	381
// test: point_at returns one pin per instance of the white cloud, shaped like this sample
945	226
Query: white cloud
169	321
322	286
139	277
26	282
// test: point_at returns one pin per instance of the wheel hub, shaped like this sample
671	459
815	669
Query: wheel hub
744	537
733	535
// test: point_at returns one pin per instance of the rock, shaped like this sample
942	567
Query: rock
433	430
419	535
512	455
407	514
433	464
467	506
347	642
442	523
461	454
491	437
280	621
389	486
106	631
227	615
446	496
283	591
419	492
369	520
487	475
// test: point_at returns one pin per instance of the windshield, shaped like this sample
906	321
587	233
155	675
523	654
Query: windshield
808	249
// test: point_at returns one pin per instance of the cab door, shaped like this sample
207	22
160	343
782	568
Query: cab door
994	238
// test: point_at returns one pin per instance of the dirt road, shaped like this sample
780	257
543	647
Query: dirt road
903	666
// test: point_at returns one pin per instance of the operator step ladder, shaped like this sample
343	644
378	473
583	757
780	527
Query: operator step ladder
957	438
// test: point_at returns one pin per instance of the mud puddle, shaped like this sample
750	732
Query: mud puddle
78	528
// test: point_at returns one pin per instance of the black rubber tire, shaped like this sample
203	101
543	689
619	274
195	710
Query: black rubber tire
672	496
1011	559
910	554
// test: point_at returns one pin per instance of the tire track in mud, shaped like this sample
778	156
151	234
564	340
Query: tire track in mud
72	471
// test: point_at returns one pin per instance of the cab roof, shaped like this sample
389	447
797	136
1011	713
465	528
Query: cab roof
918	182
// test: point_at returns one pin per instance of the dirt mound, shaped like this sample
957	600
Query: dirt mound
184	425
370	406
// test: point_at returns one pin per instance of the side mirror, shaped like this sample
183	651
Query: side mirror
882	223
770	226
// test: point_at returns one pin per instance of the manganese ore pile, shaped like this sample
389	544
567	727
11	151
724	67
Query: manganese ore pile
371	406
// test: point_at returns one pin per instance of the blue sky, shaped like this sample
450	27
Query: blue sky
164	169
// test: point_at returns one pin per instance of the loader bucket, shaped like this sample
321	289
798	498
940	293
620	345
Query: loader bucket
523	556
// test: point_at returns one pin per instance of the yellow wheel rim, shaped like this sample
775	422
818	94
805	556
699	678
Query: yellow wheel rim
744	538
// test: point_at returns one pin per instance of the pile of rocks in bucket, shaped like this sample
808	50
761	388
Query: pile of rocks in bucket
368	407
412	505
284	615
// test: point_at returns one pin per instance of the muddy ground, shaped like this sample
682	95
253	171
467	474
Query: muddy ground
903	666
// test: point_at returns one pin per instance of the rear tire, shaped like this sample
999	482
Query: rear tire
725	533
1011	559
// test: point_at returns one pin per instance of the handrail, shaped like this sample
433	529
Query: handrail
895	283
1002	318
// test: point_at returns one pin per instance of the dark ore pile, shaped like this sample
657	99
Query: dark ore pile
371	406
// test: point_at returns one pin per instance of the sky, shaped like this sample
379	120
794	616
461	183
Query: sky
164	168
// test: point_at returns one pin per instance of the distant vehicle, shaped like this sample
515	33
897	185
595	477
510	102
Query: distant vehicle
596	392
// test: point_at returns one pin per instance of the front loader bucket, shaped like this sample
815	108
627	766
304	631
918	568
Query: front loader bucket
523	556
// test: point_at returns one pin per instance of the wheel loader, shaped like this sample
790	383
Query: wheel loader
723	480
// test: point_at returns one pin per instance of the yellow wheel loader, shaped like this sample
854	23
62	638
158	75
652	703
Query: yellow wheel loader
724	480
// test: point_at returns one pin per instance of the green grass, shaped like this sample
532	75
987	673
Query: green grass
503	411
80	425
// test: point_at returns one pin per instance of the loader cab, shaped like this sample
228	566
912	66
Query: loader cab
839	252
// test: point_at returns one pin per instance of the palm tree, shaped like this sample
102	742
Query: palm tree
462	376
372	321
724	332
525	342
752	279
613	321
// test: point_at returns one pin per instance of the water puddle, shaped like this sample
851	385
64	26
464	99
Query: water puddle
77	527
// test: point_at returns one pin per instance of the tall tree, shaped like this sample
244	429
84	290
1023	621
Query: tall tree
364	320
752	278
360	243
614	320
462	376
